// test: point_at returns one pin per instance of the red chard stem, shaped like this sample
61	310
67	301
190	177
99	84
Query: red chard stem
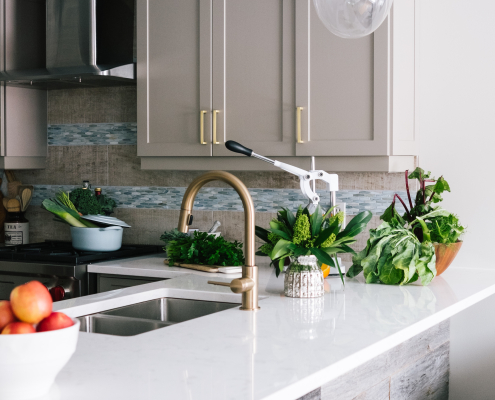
404	204
407	188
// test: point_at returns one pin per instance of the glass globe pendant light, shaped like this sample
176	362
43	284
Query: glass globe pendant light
351	19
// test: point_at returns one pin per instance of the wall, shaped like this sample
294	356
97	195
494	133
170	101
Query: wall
92	135
456	124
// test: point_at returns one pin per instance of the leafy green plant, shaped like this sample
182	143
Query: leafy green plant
394	255
205	249
401	249
427	221
304	234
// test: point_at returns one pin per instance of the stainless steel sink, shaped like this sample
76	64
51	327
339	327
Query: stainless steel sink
150	315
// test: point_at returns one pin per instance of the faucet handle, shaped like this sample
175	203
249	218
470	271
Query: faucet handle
239	285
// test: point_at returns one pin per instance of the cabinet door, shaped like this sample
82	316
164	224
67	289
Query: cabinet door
253	75
174	77
342	87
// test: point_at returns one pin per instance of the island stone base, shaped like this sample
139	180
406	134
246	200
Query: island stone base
417	369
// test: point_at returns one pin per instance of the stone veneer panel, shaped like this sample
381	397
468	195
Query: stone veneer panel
92	105
416	369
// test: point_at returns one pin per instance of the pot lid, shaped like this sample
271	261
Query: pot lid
103	219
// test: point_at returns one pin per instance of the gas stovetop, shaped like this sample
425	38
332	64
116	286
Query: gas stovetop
63	253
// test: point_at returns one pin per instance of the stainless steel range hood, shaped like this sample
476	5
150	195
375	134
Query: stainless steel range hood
68	43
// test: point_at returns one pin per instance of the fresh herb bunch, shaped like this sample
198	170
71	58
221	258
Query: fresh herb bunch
89	204
394	255
306	234
206	249
441	227
172	235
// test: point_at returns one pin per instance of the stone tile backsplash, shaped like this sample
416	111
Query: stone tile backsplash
226	199
92	134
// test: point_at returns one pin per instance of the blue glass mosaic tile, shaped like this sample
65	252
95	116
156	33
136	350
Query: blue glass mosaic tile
225	199
92	134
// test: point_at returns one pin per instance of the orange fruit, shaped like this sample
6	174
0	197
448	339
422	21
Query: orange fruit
326	270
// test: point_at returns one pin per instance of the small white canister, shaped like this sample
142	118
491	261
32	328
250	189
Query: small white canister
16	225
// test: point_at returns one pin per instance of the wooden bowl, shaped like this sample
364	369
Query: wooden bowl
445	254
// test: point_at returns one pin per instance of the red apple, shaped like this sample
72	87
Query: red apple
16	328
31	302
56	320
6	314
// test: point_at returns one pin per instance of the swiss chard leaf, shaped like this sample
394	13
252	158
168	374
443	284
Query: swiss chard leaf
419	173
354	271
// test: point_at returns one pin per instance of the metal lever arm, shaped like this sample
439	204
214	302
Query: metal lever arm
305	177
239	285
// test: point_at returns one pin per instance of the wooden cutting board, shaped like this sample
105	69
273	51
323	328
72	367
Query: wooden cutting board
204	268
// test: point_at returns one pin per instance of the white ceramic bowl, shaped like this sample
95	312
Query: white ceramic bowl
97	239
30	362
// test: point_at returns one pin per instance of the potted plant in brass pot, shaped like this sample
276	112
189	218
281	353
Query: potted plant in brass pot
421	243
308	241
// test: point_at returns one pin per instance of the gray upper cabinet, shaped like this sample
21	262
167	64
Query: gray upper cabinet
345	94
268	74
253	75
174	77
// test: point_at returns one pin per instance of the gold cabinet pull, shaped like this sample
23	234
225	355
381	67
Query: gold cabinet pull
298	124
202	127
215	112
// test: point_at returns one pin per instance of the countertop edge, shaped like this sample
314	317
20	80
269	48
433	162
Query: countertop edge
318	379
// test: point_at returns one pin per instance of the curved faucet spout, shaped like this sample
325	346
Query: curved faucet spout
250	270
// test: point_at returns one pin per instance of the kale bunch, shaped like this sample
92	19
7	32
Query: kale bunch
89	204
85	202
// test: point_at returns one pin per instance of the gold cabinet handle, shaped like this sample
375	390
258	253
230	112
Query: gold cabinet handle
298	124
215	112
202	127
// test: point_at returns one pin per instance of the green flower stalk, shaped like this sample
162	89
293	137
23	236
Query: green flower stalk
273	238
339	216
302	229
266	248
299	212
329	241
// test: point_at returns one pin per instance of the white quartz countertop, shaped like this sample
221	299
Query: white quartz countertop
285	350
151	266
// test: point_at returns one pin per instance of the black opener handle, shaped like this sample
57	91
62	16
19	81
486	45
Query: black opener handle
238	148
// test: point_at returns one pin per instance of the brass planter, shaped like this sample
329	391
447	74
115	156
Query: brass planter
445	254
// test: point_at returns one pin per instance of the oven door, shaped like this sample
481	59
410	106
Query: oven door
60	288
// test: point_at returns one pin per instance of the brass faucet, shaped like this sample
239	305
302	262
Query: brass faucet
248	283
